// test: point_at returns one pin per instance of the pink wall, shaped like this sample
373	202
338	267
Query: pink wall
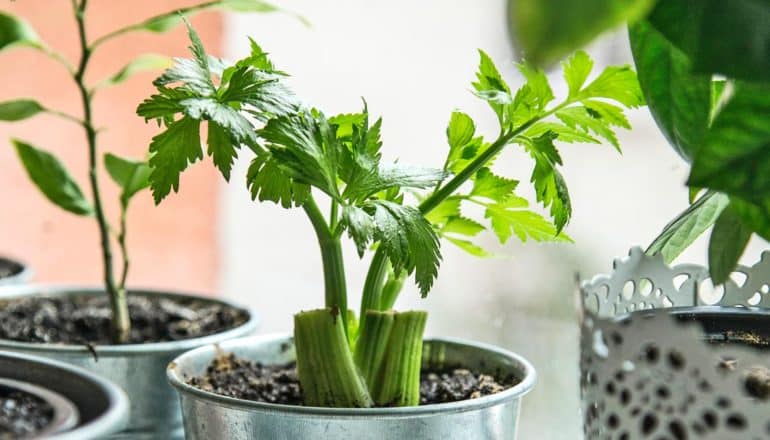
172	246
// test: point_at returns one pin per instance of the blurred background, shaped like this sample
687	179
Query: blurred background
413	62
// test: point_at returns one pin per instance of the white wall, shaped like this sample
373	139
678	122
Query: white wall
413	61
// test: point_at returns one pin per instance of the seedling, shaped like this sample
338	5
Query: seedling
398	212
50	175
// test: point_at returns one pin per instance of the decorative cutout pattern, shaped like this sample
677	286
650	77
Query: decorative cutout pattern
648	375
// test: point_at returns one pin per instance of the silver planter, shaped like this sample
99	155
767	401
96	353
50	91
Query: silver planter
137	368
100	407
21	272
664	354
208	415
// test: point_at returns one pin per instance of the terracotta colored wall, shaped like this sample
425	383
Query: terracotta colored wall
172	245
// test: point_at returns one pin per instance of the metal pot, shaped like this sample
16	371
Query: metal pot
137	368
666	355
20	273
85	406
208	415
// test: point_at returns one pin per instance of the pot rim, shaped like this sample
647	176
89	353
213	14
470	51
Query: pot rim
65	414
9	292
116	413
520	389
21	277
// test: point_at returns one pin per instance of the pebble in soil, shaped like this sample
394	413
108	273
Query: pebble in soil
242	379
86	319
22	414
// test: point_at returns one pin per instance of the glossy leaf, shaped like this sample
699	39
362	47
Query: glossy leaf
721	37
688	226
19	109
678	100
132	176
735	154
142	63
548	30
53	180
728	241
16	32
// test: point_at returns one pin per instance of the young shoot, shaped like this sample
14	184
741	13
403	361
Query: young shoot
300	153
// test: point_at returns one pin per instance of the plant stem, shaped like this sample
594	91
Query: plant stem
121	324
334	266
371	345
398	381
372	295
123	247
391	289
325	366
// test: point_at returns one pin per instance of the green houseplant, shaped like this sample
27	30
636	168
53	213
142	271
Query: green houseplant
109	337
303	157
704	69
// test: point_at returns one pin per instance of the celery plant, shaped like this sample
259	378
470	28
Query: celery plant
303	156
50	175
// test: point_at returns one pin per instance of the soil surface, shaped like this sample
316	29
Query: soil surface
8	268
242	379
86	319
22	414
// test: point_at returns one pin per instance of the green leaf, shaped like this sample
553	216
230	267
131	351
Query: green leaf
576	70
720	37
53	180
540	93
678	100
618	83
19	109
391	175
360	226
589	122
463	226
139	64
490	85
488	185
469	247
511	217
193	74
735	154
564	133
687	226
460	130
173	150
447	209
15	31
550	187
132	176
755	215
548	30
728	241
166	22
222	149
268	182
409	241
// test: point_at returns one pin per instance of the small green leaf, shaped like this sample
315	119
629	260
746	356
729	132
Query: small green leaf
132	176
687	226
512	217
174	149
165	22
460	130
548	30
139	64
618	83
19	109
268	182
463	226
488	185
469	247
755	215
53	180
728	241
576	71
582	118
447	209
360	226
678	100
247	6
16	32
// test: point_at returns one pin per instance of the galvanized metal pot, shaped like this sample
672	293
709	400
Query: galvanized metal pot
208	415
19	273
101	407
137	368
664	354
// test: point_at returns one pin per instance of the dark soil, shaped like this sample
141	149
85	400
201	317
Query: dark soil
22	414
86	319
8	268
242	379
